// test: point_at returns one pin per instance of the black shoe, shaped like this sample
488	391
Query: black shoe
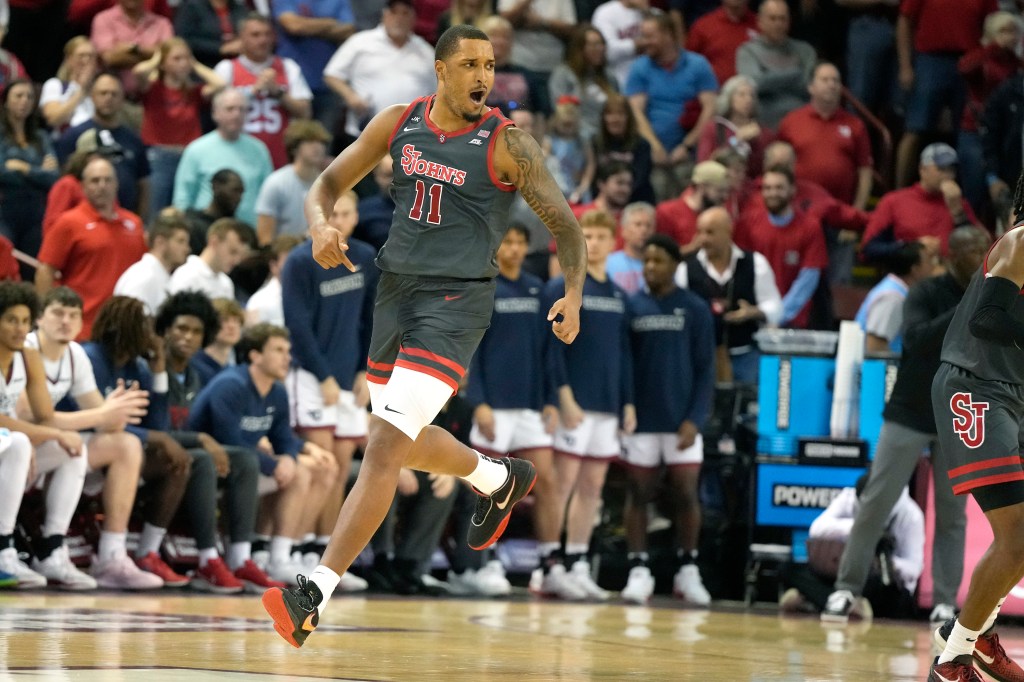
493	511
294	610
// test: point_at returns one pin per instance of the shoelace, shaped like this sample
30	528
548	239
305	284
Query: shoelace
998	652
302	594
483	505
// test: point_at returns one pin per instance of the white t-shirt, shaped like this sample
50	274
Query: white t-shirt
11	387
196	275
619	25
539	50
381	72
70	375
56	91
267	303
282	197
146	280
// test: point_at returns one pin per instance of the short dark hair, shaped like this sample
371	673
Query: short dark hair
519	228
63	296
607	170
224	176
194	303
783	170
448	43
255	338
255	16
666	244
901	261
165	225
19	293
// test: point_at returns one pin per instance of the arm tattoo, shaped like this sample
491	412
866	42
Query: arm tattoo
547	201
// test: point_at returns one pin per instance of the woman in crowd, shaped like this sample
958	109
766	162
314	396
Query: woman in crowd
735	125
585	76
29	167
65	100
617	139
171	103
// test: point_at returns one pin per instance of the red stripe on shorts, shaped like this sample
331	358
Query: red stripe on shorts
429	371
420	353
961	488
985	464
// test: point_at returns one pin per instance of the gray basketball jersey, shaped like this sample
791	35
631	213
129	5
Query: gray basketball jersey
13	385
982	358
451	210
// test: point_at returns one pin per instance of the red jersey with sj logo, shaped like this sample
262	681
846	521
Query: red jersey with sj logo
267	118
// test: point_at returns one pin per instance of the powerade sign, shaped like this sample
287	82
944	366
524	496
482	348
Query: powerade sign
794	495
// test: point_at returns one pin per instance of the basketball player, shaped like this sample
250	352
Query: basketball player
978	399
457	166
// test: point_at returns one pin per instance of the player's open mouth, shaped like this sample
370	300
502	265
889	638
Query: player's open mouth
477	96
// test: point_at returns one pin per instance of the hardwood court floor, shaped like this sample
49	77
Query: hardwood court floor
108	637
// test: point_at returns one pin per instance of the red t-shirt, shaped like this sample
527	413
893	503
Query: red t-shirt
676	219
829	150
789	249
9	268
947	25
913	213
717	36
171	116
984	69
91	253
64	196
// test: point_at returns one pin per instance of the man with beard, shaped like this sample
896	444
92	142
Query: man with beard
792	242
148	278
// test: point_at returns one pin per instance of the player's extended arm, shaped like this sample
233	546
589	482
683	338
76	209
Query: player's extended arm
519	160
993	320
348	168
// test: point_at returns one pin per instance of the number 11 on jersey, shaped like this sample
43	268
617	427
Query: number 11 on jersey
434	213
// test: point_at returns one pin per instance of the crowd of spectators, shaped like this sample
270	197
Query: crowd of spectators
156	153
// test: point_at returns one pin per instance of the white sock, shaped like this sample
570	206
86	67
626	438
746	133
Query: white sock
150	540
63	495
327	580
961	642
546	549
206	555
280	549
238	554
489	475
323	539
112	545
14	465
572	548
991	620
308	537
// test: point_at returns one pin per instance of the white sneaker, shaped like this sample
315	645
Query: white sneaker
261	559
639	585
349	582
580	575
59	571
688	586
941	613
12	565
492	581
536	584
309	561
556	582
462	584
121	573
285	571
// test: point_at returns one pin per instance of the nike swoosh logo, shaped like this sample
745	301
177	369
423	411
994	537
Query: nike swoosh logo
969	639
308	625
943	677
387	408
452	298
987	660
511	489
413	128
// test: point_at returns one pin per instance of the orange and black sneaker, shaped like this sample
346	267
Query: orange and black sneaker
294	610
989	654
493	511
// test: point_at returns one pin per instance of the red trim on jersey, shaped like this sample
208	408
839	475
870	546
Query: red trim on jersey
379	366
961	488
461	131
402	118
984	264
985	464
420	353
571	455
326	427
349	439
503	186
376	380
429	371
